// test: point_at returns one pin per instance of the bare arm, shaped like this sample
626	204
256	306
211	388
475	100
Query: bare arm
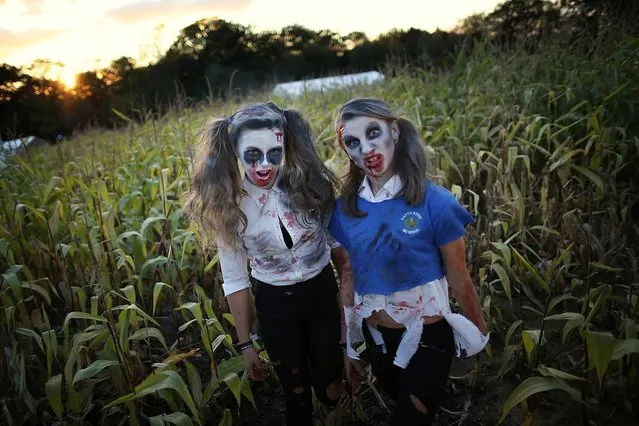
342	263
239	306
454	257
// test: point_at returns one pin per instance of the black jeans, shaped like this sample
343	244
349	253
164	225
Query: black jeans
300	327
424	377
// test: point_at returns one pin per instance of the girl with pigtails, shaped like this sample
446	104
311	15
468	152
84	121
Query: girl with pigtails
273	215
405	238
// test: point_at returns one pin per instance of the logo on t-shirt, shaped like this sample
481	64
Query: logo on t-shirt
411	221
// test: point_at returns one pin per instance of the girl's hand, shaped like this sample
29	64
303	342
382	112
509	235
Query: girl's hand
253	365
355	370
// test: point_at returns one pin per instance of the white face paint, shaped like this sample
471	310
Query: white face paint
261	152
370	143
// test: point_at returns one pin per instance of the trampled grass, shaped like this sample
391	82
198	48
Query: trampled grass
112	310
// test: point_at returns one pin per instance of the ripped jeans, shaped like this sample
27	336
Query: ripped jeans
300	327
425	376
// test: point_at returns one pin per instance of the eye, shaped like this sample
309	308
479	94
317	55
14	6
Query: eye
373	133
351	143
251	155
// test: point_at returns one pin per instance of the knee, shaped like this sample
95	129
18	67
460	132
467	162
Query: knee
334	390
330	397
419	405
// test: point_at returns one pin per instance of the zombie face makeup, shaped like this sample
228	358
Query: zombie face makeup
370	143
261	152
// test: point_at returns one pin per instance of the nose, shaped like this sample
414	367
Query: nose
367	148
264	162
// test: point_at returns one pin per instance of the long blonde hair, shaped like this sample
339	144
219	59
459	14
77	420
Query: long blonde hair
216	184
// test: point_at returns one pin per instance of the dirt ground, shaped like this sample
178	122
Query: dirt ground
471	399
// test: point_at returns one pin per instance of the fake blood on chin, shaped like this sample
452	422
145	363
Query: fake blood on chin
374	162
261	178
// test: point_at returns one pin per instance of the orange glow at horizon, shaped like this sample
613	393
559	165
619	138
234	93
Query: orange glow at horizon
68	78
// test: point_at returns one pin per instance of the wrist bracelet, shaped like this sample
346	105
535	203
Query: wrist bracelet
244	345
342	345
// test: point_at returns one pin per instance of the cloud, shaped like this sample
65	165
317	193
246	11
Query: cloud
150	10
14	42
33	6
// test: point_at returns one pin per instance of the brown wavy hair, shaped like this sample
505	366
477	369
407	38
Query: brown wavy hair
410	160
216	182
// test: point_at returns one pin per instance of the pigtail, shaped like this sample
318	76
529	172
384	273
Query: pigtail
309	183
216	186
412	167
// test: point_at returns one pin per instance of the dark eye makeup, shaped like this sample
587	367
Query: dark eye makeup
351	142
373	130
254	155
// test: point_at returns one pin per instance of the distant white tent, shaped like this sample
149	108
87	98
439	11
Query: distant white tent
296	88
13	146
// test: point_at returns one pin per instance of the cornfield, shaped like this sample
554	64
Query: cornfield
112	311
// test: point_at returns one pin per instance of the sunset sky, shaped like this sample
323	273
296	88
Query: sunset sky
89	34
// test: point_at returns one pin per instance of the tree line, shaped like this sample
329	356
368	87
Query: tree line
211	57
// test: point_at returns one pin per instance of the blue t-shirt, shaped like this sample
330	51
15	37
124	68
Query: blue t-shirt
396	246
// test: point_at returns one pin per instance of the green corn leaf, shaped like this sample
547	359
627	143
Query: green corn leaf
95	337
178	419
503	278
53	389
245	386
147	332
511	330
93	370
83	316
538	279
602	293
558	299
195	382
38	289
121	115
564	316
30	333
166	379
534	385
227	418
152	264
232	365
530	339
552	372
186	325
157	289
604	267
218	340
136	309
508	354
233	382
600	348
229	318
625	347
591	176
211	264
149	222
129	293
175	358
51	344
156	421
195	309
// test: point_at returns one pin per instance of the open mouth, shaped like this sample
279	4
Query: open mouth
263	177
374	162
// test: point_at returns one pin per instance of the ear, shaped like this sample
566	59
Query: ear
395	130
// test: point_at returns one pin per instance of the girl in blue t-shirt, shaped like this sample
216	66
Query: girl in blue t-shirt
405	238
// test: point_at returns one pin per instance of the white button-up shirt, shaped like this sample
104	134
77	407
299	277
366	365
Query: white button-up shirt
262	243
408	307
